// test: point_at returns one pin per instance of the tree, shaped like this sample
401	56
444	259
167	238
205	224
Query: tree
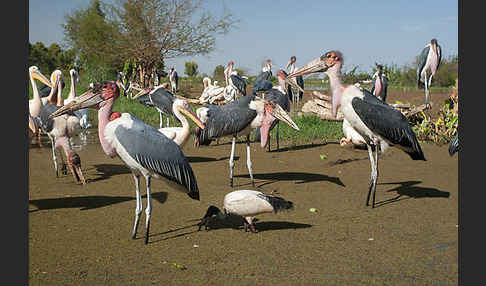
155	30
191	69
96	39
218	73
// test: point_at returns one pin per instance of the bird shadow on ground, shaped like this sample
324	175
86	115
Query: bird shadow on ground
299	177
407	190
170	231
236	223
88	202
107	170
195	159
300	147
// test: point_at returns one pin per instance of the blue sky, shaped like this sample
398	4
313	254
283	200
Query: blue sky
388	32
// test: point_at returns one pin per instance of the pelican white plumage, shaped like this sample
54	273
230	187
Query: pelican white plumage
144	150
179	135
248	204
60	130
212	92
82	114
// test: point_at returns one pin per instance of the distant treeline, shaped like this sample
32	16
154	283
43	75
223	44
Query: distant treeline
54	57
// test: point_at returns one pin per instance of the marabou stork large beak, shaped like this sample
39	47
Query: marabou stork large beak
278	112
143	91
187	111
293	83
90	98
322	64
316	65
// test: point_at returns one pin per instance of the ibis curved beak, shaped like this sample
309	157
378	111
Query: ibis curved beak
191	116
316	65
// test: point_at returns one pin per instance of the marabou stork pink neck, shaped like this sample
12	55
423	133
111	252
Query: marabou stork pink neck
105	115
337	88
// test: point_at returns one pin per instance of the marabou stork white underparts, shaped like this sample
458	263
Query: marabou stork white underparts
248	204
379	124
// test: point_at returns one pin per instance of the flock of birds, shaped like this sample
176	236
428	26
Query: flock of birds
157	153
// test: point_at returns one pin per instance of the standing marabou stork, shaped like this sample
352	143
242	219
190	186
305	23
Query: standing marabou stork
299	80
160	98
174	80
262	81
238	118
60	130
379	83
143	149
429	59
454	145
378	123
82	114
280	94
234	80
248	204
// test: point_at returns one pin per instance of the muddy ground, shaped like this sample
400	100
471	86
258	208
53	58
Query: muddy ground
80	235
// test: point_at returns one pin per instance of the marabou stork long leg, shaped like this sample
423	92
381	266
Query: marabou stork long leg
148	209
278	135
374	173
161	120
54	157
427	92
248	159
231	160
138	210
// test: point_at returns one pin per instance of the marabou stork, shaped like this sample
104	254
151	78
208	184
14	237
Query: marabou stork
235	80
429	59
82	114
174	80
379	83
262	80
454	145
212	92
378	123
143	149
160	98
248	204
60	130
279	94
238	118
299	80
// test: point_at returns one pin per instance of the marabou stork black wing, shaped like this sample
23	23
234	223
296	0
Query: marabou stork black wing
157	153
389	123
